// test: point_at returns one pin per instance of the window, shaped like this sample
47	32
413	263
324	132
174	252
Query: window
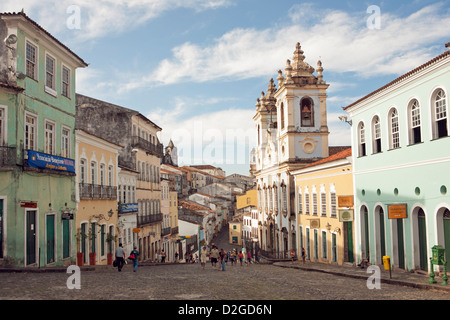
50	69
270	199
2	126
362	140
306	108
333	205
31	60
65	142
110	175
323	204
439	106
284	196
82	171
414	122
394	130
376	134
315	208
30	132
65	85
49	146
282	115
307	207
93	172
300	201
102	174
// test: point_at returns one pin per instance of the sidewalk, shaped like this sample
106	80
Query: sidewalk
396	277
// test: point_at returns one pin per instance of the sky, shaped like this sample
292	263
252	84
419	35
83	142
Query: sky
196	67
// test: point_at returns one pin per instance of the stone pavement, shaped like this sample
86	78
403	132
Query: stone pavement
395	277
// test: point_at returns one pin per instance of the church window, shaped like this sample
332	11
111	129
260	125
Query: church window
306	107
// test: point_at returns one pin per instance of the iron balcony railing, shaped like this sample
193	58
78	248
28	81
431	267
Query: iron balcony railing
7	156
154	149
174	230
149	219
165	231
95	191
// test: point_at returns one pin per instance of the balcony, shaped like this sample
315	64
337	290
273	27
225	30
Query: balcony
165	231
174	231
94	191
154	149
7	157
149	219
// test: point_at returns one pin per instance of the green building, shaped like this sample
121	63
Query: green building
401	163
37	145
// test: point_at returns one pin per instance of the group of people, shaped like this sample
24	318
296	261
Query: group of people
120	260
221	257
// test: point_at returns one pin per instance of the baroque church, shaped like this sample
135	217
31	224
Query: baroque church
292	131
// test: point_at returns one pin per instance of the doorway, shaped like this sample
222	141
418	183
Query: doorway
421	223
31	237
50	238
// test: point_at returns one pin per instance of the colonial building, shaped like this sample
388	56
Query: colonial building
96	214
142	152
37	145
324	207
291	129
401	162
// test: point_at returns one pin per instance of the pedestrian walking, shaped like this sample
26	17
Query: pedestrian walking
223	257
249	258
303	255
241	257
120	257
232	257
203	257
259	256
134	256
214	256
292	254
163	256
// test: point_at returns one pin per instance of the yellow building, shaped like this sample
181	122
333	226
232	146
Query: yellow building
324	206
96	194
235	230
246	201
148	153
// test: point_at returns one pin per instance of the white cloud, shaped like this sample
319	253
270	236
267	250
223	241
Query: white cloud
101	18
343	41
221	137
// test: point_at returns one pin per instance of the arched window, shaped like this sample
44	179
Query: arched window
394	129
307	116
415	135
439	111
282	115
361	140
376	134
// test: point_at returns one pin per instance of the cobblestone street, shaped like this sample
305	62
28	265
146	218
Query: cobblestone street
190	282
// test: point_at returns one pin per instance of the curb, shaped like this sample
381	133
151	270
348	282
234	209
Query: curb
423	286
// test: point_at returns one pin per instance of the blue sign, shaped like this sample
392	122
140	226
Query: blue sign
50	162
129	207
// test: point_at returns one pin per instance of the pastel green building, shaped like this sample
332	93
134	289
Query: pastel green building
37	145
401	163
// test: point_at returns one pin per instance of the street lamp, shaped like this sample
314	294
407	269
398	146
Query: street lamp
345	119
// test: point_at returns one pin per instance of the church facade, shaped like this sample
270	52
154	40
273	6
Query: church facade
292	132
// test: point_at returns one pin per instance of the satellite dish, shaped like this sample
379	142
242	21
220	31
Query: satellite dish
12	39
